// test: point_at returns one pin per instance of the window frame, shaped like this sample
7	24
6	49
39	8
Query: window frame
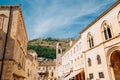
99	59
91	76
89	62
59	51
101	75
106	30
90	40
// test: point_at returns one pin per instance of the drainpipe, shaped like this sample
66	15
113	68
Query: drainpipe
6	40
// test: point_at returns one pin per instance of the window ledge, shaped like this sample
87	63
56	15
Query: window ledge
102	43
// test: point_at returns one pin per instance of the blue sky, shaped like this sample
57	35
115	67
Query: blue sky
59	18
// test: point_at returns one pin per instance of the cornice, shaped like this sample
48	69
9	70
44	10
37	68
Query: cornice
18	7
74	42
108	10
102	44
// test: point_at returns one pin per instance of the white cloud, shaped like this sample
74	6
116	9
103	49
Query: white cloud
58	15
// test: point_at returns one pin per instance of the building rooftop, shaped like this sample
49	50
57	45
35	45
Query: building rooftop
31	51
47	64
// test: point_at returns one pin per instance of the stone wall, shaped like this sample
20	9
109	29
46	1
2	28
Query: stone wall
16	48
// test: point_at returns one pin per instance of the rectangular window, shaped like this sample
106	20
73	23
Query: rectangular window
39	68
101	75
91	76
43	68
54	67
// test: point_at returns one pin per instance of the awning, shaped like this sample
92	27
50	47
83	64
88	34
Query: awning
74	73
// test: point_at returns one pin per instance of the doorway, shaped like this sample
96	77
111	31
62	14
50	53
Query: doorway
115	64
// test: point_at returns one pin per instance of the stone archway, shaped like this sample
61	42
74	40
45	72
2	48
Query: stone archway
115	64
113	60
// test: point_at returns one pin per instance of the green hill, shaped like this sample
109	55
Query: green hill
46	47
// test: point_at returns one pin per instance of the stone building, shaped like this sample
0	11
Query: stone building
47	71
31	66
96	52
59	59
13	43
72	65
59	54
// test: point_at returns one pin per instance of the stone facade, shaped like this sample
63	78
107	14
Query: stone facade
97	50
13	43
31	66
47	71
59	54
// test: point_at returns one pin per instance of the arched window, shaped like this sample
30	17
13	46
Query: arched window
98	59
59	48
60	44
106	29
59	51
109	32
89	62
105	33
90	40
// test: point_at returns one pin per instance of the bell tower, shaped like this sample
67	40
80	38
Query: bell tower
59	53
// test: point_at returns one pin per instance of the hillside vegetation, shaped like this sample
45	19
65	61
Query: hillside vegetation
46	47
